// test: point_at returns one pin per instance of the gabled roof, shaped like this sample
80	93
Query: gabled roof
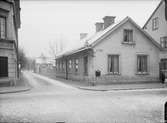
153	13
97	37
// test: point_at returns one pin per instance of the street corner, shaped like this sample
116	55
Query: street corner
6	90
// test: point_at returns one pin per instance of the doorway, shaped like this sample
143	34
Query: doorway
163	69
85	65
3	66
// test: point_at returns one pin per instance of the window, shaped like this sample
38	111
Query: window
69	64
163	64
63	65
128	35
2	27
76	65
163	42
142	64
113	64
73	63
155	23
60	65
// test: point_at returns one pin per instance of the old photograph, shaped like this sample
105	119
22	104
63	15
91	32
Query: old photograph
83	61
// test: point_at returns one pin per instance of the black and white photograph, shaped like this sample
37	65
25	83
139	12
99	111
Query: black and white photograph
83	61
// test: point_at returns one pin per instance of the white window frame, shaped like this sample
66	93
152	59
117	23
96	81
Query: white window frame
3	27
128	36
155	23
147	64
109	64
76	64
163	42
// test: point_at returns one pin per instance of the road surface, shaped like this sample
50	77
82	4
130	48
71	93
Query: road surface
52	101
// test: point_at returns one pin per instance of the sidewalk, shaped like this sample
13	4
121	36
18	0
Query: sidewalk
21	86
135	86
115	87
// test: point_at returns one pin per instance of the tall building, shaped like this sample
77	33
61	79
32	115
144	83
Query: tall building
9	25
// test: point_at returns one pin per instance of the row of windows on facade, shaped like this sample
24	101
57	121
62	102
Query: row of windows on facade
2	27
113	64
128	36
72	64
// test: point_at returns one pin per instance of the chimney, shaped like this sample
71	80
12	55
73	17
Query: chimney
99	26
108	20
83	35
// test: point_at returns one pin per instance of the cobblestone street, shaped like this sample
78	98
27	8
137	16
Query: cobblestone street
52	101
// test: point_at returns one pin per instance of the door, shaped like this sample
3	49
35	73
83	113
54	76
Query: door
86	65
163	68
3	66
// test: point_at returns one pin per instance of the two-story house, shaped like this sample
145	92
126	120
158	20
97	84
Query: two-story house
9	25
156	26
121	51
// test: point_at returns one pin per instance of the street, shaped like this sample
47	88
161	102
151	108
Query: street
52	101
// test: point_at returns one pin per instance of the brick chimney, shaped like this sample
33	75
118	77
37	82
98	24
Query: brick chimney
108	20
83	35
99	26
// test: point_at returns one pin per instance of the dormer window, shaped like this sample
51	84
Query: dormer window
128	36
155	23
2	27
163	42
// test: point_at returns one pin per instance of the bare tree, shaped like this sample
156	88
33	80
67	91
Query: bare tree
53	49
24	61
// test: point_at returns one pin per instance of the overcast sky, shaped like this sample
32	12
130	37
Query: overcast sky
47	22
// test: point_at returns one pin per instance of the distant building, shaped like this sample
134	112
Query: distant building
9	25
121	51
156	26
43	63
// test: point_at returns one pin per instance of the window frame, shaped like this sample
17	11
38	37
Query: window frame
155	24
163	42
147	65
5	19
76	65
69	64
128	33
109	64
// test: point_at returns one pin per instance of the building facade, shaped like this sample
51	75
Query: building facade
121	51
156	26
9	25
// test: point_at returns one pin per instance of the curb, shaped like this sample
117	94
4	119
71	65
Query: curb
89	89
126	89
16	90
